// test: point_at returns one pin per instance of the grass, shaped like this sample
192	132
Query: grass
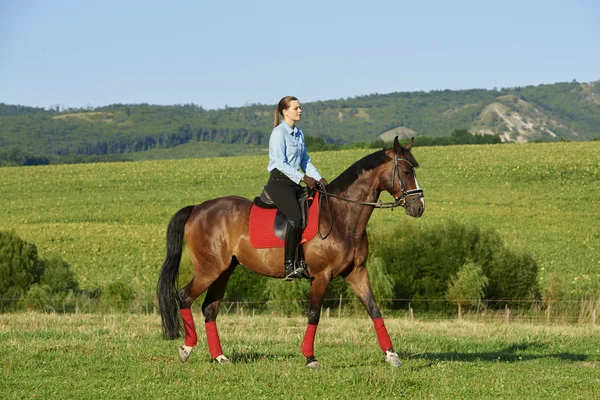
198	149
108	221
121	356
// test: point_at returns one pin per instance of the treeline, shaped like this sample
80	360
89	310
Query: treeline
458	137
117	151
569	109
183	135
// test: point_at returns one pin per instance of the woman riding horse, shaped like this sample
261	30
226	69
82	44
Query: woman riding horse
217	236
287	153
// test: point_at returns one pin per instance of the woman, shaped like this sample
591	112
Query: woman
287	153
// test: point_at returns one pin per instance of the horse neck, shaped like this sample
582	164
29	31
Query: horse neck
355	216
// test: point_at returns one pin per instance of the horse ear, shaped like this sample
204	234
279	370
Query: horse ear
397	147
410	144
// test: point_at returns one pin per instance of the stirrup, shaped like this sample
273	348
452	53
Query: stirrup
291	276
295	271
300	271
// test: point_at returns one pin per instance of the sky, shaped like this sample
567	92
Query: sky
225	53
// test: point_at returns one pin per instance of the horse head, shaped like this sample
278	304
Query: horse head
400	180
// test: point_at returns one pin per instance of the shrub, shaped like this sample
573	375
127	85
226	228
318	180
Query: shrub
466	287
118	295
20	266
38	297
58	277
246	285
285	296
422	260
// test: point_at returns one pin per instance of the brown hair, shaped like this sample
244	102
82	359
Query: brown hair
283	104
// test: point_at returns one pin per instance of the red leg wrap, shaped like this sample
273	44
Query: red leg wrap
308	344
212	336
382	334
191	339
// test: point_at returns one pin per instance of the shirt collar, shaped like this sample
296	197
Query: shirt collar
289	130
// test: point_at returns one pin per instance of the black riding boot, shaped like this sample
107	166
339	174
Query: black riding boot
292	269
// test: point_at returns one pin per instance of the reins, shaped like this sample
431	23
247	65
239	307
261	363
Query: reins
401	201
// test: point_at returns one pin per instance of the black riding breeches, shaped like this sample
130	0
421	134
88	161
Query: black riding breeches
283	193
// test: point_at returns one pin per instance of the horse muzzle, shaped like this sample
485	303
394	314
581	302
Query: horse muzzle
414	205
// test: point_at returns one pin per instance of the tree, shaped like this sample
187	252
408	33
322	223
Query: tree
24	275
20	266
467	286
58	276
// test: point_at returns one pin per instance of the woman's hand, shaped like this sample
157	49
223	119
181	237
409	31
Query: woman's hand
323	182
310	182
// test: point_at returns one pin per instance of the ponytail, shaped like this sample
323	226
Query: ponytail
283	104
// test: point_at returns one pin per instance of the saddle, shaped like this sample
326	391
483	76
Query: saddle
280	224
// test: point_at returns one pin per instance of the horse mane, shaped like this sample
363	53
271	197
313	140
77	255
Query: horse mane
350	175
367	163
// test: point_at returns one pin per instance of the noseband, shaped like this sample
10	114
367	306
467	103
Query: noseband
403	199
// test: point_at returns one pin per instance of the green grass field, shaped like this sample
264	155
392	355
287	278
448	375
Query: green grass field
109	220
121	356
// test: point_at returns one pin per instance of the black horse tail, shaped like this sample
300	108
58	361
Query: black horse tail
166	291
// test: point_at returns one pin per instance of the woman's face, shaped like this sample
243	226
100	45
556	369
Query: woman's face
293	112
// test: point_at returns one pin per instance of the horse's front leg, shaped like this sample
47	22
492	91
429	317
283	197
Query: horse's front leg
317	291
359	281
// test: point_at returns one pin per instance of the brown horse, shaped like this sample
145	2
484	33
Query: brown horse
217	237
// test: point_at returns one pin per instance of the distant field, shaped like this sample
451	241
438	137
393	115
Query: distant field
197	150
121	356
109	220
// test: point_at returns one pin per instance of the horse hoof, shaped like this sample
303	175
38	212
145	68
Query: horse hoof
392	359
184	353
314	364
222	359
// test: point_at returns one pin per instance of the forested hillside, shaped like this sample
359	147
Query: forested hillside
561	111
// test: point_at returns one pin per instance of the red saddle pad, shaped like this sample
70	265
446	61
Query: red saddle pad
262	220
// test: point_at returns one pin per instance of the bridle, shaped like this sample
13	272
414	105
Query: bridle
402	201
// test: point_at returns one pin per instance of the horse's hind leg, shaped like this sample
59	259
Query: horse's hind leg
210	309
198	285
359	281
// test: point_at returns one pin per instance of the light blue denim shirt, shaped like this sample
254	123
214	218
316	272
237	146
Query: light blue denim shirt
287	153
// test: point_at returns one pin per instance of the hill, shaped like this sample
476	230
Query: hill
560	111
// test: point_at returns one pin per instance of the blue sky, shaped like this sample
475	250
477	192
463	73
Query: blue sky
77	53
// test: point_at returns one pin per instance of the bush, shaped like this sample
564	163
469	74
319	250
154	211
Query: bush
422	260
38	297
58	277
287	297
246	285
118	295
20	266
23	275
466	287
